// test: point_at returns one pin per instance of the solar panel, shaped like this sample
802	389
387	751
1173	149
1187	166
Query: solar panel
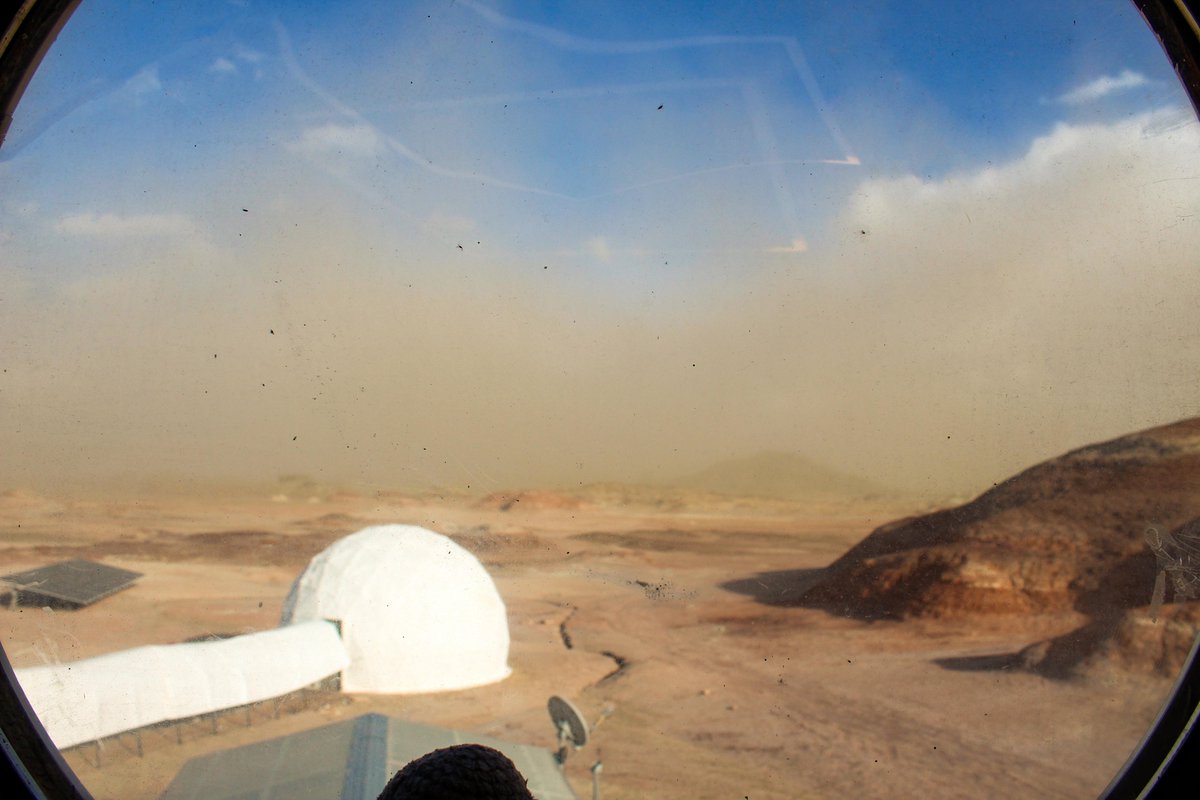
75	583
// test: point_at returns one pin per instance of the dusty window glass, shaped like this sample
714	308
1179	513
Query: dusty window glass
806	394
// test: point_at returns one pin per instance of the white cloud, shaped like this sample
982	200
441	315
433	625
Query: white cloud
1072	176
145	82
248	55
118	226
1046	301
796	246
1102	87
353	140
223	66
598	248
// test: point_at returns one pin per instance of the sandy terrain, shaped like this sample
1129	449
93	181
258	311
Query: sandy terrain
678	619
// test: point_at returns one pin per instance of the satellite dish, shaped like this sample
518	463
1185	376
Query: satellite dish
568	722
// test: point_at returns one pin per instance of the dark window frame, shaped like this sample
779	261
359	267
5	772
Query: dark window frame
1165	763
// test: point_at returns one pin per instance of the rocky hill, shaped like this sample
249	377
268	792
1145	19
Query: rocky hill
1068	534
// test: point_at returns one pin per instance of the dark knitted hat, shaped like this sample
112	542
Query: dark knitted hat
462	772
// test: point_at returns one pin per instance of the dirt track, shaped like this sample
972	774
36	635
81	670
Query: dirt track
679	622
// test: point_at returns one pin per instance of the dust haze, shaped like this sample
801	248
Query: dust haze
937	335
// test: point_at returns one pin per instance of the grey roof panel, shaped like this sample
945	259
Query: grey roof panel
77	582
366	767
352	760
310	764
410	740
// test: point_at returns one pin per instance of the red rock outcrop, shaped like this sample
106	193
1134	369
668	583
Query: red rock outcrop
1070	533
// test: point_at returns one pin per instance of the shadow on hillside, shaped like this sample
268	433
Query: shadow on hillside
778	587
987	663
1058	658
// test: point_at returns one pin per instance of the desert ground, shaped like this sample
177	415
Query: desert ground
670	619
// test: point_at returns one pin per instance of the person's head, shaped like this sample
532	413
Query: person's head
462	772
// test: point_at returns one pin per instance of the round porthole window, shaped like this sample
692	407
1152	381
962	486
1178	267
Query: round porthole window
803	397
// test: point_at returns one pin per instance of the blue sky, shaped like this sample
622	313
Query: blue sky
558	114
606	197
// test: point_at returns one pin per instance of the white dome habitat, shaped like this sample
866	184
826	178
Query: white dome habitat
418	613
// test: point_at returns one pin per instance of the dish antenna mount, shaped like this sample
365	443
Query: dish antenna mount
569	724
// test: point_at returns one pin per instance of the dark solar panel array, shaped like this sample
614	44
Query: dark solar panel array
76	582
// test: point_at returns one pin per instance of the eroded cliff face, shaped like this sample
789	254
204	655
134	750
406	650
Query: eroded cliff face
1067	534
1110	531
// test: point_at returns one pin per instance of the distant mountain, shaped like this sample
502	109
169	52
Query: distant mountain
780	475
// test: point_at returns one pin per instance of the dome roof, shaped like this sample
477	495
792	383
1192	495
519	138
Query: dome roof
417	612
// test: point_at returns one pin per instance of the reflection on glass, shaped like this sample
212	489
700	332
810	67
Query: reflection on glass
711	340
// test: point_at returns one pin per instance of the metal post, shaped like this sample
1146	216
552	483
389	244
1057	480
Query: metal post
596	779
214	723
138	735
564	734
